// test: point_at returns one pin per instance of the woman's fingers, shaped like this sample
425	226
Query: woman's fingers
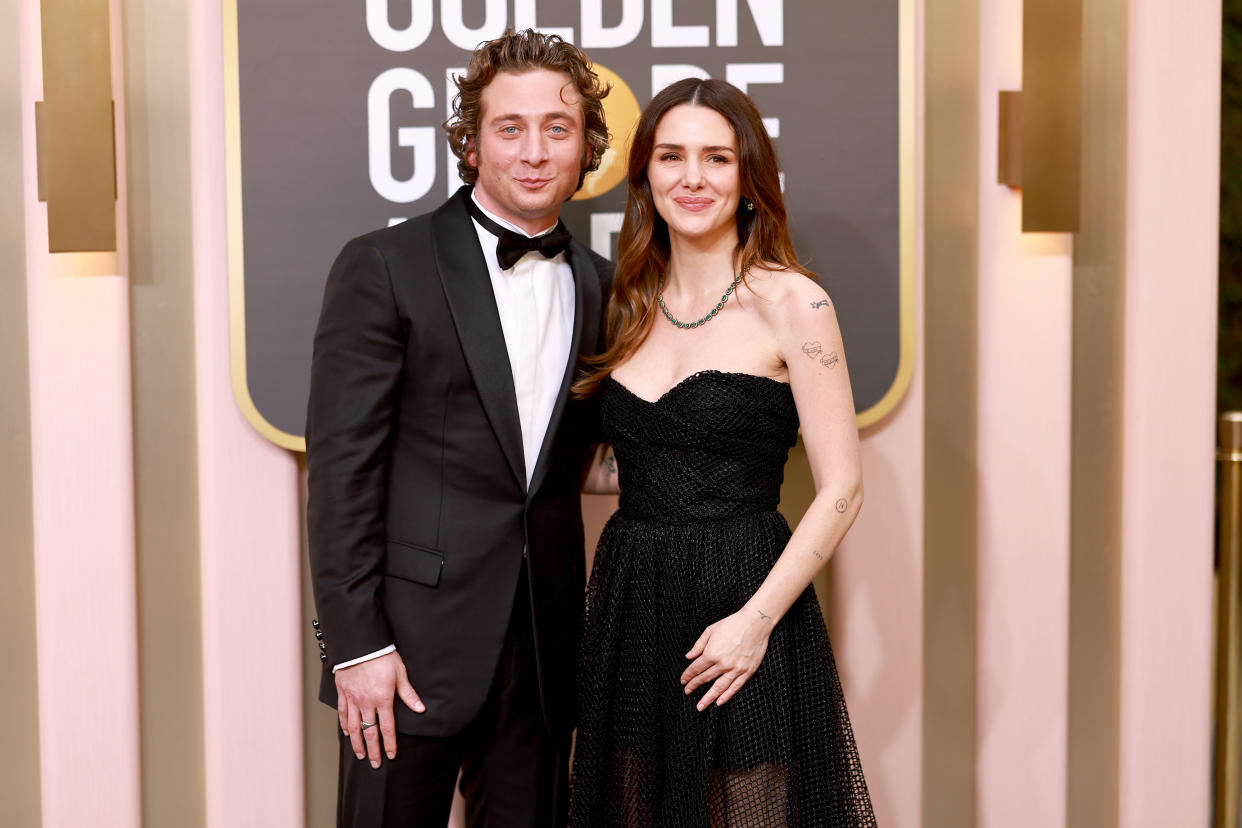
708	672
732	689
719	686
700	645
694	675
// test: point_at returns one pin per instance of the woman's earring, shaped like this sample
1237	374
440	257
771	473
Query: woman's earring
748	205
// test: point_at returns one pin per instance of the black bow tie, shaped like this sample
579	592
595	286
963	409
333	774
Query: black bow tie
511	246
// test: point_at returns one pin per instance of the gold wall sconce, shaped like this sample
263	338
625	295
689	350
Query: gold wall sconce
75	127
1041	126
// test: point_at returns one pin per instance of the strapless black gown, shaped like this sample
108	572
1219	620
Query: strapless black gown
696	533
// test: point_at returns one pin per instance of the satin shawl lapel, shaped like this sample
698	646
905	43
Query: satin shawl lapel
468	288
586	333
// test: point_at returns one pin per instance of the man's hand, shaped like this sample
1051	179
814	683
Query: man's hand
366	691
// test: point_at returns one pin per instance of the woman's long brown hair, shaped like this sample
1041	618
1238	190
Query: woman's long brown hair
643	246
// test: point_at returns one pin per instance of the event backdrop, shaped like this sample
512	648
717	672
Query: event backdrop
334	122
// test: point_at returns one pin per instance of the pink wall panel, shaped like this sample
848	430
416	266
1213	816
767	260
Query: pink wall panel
1023	509
876	613
876	602
249	518
1174	101
81	453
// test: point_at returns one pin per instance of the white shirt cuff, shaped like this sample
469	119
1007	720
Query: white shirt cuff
391	648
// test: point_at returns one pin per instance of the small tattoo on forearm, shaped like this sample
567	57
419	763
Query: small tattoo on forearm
822	303
610	463
763	614
815	552
816	352
841	505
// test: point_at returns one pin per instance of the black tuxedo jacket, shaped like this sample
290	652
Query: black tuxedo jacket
418	512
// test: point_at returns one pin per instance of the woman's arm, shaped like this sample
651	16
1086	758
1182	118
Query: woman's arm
600	476
809	339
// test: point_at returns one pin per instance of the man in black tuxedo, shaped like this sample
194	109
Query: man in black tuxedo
445	461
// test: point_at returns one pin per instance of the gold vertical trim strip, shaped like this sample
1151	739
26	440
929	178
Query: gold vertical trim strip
19	678
319	723
1096	466
1009	142
75	127
1228	621
157	128
950	479
1052	113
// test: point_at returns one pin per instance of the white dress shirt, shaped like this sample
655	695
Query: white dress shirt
535	299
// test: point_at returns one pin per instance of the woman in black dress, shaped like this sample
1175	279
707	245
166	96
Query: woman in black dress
708	695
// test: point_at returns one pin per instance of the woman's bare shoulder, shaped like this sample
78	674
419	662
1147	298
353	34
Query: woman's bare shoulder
786	293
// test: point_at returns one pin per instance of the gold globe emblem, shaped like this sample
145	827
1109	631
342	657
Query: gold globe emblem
621	111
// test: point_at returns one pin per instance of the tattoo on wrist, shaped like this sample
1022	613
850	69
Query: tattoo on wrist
763	614
815	552
815	351
822	303
841	505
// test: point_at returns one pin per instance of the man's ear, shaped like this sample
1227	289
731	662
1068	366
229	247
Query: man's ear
472	155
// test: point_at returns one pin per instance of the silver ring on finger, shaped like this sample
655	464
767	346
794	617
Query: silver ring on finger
365	725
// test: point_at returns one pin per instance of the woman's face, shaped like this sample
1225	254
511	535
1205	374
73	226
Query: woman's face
693	173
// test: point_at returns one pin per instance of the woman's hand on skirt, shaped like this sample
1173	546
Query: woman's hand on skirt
727	654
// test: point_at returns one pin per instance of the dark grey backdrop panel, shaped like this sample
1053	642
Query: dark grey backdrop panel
307	68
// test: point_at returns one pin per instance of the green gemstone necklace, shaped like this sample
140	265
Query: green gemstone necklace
710	314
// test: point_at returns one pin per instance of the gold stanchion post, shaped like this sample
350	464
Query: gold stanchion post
1228	621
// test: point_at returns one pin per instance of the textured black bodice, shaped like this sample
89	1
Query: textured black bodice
696	534
713	447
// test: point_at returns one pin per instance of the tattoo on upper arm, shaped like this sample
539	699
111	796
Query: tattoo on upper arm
822	303
815	552
610	463
841	505
816	352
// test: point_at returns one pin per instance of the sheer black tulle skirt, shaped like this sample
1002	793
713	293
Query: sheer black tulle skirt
779	753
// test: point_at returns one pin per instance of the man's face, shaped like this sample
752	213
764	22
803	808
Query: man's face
530	147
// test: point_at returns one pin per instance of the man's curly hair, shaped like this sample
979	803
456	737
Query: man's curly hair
520	52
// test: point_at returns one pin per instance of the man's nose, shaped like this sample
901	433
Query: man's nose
534	148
